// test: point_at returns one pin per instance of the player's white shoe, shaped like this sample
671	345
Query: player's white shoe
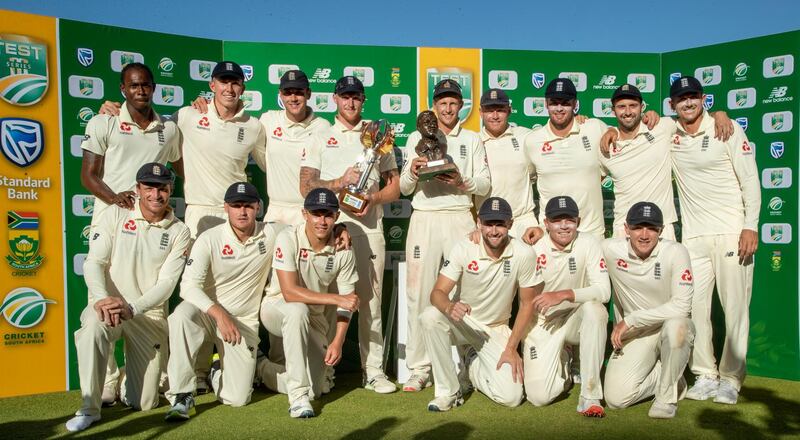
661	410
81	422
445	403
590	408
380	384
182	409
417	382
727	393
704	387
301	408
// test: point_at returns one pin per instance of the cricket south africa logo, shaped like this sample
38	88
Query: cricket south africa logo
23	242
24	307
23	69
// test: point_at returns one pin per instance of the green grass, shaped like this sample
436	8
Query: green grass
767	409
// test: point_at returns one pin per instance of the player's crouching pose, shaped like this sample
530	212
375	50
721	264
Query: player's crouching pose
571	311
488	275
307	264
221	288
134	263
653	334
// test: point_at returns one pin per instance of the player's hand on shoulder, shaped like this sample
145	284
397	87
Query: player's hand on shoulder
110	108
650	119
532	235
341	237
609	141
200	104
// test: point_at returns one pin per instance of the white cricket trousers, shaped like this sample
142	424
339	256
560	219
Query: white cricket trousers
145	344
440	334
288	215
189	329
546	361
651	362
522	223
714	259
431	236
302	334
370	252
200	218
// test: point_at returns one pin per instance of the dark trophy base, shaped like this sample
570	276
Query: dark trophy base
352	201
430	172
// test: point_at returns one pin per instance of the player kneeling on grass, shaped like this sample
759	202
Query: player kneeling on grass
653	335
135	260
488	275
306	265
570	311
221	290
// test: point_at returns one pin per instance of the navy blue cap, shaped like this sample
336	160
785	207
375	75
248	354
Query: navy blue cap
561	206
561	88
348	84
154	172
242	192
684	86
447	86
294	79
227	68
321	199
495	208
495	97
627	91
645	213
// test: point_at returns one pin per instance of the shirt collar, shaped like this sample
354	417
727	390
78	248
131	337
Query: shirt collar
239	116
706	125
304	243
485	135
304	123
125	116
164	223
508	252
653	254
574	129
339	127
457	129
550	245
258	233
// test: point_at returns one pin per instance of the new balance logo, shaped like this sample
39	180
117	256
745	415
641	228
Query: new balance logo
778	92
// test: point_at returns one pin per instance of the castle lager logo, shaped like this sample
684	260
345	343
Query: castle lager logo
23	241
462	76
23	69
24	307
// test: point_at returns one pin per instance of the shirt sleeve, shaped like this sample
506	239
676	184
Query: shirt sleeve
408	183
599	288
168	275
97	133
530	274
285	251
313	157
174	140
259	152
194	276
453	266
387	162
478	181
681	291
744	165
348	276
99	257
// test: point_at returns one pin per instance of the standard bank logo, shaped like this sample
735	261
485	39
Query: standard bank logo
709	101
645	82
577	78
775	178
395	104
674	77
776	233
24	307
200	70
537	78
782	65
776	149
22	140
24	76
276	71
365	74
248	72
741	98
121	58
743	122
85	87
85	56
709	76
503	79
168	95
777	122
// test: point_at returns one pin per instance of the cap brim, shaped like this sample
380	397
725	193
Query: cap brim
349	89
684	92
627	95
497	102
294	85
242	198
156	181
560	95
321	208
644	222
228	75
448	92
561	213
494	217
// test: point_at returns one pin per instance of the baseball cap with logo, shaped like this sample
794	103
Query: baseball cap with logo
154	172
321	199
228	68
242	192
348	84
645	213
561	88
627	91
294	79
495	208
684	86
561	206
494	97
447	86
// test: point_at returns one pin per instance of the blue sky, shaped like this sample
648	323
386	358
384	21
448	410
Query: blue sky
619	26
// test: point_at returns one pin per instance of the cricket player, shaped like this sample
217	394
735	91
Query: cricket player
638	159
653	333
135	259
571	311
510	167
221	290
441	215
720	197
330	164
488	274
306	265
115	146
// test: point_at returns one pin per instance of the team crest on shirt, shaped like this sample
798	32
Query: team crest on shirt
515	143
164	241
472	267
704	145
573	265
586	144
547	148
622	265
161	138
506	268
262	248
240	135
657	271
332	143
329	264
227	252
125	128
277	133
203	123
129	227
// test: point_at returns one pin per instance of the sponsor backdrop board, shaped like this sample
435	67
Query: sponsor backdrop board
756	82
92	57
32	298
